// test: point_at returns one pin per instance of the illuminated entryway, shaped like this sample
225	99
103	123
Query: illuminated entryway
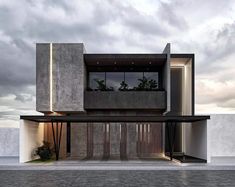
107	137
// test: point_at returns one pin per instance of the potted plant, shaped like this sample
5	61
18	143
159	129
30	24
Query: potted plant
123	86
44	151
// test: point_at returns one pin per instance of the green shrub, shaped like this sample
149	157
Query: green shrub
44	151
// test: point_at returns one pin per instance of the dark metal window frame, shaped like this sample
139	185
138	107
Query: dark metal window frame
124	76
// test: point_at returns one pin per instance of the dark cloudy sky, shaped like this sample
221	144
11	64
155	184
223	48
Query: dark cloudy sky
203	27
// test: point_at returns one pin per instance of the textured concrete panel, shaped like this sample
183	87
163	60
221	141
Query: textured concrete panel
125	100
9	142
79	140
114	139
98	139
68	77
131	140
43	77
221	135
167	76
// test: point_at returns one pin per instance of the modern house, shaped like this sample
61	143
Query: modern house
114	106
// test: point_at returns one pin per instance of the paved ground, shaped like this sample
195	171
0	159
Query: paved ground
117	178
115	173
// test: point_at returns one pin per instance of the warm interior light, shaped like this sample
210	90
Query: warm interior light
97	62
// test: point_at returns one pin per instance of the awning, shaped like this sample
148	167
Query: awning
114	118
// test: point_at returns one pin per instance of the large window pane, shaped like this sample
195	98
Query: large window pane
153	80
97	80
114	80
132	79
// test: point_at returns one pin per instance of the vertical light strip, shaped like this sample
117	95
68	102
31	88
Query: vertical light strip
51	77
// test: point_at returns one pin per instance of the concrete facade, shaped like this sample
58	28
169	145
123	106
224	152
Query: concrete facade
9	142
61	76
78	140
131	147
69	77
221	138
42	77
167	76
62	89
118	100
115	139
98	143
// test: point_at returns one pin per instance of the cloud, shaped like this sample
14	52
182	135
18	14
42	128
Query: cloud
117	26
211	91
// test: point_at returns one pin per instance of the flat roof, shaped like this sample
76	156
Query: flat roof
107	119
124	59
128	59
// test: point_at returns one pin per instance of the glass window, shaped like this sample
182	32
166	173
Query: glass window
152	78
97	80
114	80
132	79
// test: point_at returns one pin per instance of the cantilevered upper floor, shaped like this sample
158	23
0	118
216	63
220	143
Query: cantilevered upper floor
70	80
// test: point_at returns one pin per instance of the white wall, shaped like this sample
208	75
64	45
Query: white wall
31	136
187	89
9	142
221	136
195	135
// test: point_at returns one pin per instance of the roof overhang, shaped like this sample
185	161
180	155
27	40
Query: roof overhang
108	119
125	59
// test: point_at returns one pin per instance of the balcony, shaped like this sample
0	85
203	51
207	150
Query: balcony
154	100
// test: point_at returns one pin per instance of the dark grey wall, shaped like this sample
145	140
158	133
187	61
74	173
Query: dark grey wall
176	105
166	83
125	100
176	91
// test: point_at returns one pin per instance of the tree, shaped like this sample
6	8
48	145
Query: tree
123	86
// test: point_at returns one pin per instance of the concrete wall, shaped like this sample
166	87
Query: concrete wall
9	142
98	140
31	136
43	77
60	77
187	89
125	100
115	139
221	138
68	77
78	140
196	139
131	140
167	76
